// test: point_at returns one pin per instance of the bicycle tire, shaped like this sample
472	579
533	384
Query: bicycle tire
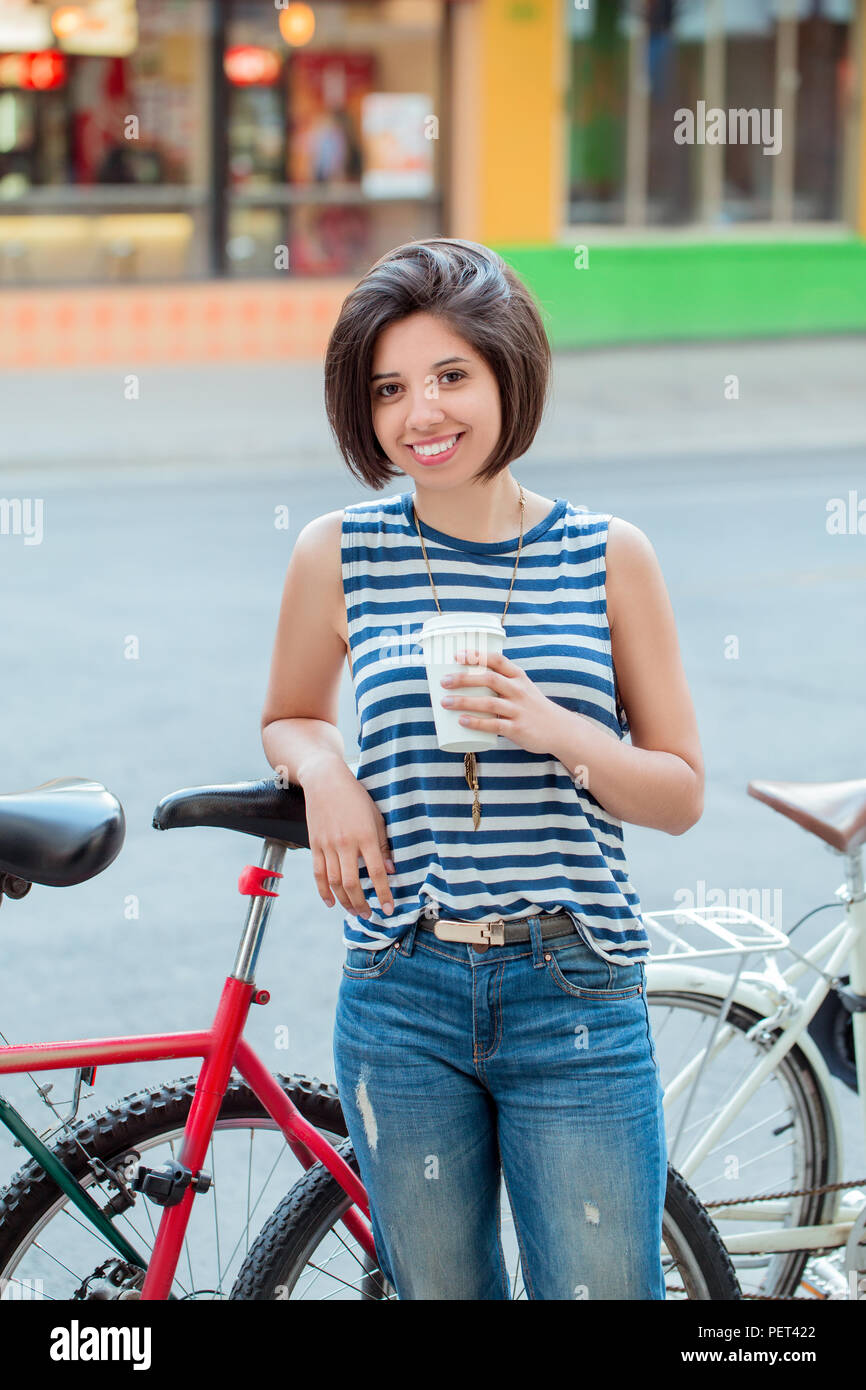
140	1118
315	1204
795	1073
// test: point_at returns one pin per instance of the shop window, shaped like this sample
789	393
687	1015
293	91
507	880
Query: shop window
333	152
104	174
784	66
598	98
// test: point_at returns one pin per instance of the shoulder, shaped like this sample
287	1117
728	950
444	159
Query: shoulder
630	562
317	555
319	534
321	538
628	543
317	552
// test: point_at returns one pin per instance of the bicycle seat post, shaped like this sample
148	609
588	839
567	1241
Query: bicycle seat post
258	912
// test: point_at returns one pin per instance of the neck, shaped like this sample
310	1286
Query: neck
485	512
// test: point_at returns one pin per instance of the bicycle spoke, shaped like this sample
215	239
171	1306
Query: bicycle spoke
57	1261
103	1240
24	1284
73	1216
367	1273
215	1192
359	1259
249	1183
335	1294
730	1141
345	1248
330	1275
144	1206
762	1157
281	1156
740	1134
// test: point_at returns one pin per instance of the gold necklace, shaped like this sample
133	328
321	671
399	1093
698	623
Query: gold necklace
469	758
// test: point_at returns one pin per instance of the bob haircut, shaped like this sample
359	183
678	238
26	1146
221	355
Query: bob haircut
481	299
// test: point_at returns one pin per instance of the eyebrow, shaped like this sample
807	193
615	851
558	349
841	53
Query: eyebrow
380	376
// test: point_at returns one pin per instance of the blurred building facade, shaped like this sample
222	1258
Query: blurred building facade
206	178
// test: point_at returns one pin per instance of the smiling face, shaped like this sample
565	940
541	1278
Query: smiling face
428	386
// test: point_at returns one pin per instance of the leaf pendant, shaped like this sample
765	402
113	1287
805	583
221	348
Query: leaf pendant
472	779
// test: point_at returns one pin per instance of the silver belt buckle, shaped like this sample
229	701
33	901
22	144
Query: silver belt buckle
481	933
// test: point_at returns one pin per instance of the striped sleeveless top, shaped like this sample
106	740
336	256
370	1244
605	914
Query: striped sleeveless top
544	843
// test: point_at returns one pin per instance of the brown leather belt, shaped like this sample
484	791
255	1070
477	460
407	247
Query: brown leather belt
497	932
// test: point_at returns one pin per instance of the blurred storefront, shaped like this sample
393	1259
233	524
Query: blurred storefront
205	178
154	140
715	168
791	57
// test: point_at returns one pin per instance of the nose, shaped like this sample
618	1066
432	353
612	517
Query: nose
424	411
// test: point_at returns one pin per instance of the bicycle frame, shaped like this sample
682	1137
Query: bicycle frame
845	941
221	1048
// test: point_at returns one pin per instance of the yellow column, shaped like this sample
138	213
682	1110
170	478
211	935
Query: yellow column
520	173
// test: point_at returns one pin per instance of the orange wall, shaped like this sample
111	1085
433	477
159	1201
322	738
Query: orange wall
204	322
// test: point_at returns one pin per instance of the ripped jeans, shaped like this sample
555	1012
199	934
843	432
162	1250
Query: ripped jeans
533	1061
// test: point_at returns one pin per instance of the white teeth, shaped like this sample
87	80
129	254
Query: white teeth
427	451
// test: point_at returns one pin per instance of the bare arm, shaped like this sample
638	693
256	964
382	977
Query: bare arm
659	780
299	723
299	719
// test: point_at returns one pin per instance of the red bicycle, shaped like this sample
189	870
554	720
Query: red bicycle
105	1208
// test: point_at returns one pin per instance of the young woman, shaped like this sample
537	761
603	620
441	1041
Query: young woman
522	1048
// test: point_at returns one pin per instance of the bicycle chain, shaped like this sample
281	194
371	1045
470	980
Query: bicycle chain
773	1196
794	1192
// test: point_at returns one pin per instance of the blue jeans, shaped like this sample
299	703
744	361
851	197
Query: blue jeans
535	1060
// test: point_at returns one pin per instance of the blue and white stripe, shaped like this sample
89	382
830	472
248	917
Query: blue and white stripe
544	843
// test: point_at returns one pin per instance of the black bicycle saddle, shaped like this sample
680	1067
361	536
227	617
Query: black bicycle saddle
254	808
61	832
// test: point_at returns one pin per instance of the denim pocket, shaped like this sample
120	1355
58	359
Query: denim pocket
650	1035
578	970
363	964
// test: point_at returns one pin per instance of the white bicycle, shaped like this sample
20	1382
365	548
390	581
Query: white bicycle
746	1061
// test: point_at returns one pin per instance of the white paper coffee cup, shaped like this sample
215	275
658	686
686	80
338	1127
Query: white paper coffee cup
442	636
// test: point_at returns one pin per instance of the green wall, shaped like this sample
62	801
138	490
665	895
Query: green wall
668	291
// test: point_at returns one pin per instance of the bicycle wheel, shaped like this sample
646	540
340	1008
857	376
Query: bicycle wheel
778	1142
48	1250
300	1252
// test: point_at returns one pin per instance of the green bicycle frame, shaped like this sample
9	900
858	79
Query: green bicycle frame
69	1184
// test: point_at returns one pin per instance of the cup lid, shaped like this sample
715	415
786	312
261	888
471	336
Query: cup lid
462	622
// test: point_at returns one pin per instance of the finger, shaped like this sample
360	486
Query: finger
486	724
481	704
478	704
386	848
489	705
496	660
352	882
476	675
376	869
335	879
320	874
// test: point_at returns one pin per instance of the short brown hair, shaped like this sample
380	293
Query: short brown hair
482	299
